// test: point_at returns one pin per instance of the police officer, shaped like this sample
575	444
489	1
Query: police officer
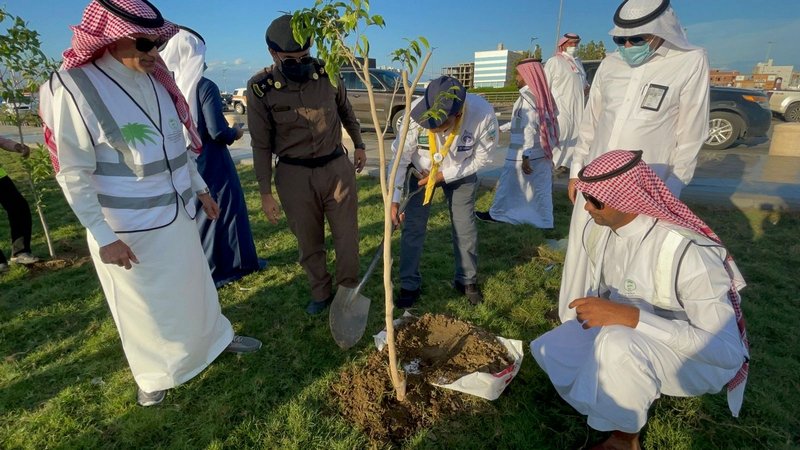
296	114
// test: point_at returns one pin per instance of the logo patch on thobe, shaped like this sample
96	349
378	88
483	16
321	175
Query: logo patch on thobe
630	286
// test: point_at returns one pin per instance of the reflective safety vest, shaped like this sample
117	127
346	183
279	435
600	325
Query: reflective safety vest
142	178
663	292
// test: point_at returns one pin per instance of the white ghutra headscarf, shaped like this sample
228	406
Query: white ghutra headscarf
185	57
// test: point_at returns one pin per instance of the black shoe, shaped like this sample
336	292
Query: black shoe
407	298
472	291
315	307
485	216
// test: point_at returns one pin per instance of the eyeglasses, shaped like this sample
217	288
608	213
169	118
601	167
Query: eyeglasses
634	40
291	61
144	45
595	202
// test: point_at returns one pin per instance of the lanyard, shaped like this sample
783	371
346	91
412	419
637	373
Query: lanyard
437	156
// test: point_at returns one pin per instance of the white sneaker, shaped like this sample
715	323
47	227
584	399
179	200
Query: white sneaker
150	398
24	259
3	267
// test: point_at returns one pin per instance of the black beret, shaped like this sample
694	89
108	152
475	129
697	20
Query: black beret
280	38
451	106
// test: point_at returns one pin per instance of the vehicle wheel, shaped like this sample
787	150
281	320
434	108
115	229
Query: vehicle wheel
239	108
792	113
397	121
724	129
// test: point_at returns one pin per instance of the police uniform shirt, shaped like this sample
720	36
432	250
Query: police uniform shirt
296	120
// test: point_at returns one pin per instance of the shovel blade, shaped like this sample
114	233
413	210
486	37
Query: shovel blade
348	317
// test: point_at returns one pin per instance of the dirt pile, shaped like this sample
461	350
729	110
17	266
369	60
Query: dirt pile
432	349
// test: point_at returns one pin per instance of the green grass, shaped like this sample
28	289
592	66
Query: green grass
64	381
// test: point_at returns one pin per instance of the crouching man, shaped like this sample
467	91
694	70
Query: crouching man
665	317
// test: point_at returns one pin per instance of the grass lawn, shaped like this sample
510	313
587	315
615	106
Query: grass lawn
64	381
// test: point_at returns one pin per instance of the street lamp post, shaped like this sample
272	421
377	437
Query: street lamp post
530	50
769	50
558	24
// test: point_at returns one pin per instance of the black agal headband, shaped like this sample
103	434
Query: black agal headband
146	22
633	23
637	156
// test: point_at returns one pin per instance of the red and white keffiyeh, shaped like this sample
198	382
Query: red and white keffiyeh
638	190
532	73
100	27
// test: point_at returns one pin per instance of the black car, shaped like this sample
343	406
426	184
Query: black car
734	113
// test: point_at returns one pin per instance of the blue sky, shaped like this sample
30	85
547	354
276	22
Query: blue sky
736	33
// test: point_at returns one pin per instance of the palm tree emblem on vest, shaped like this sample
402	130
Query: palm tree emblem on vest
135	132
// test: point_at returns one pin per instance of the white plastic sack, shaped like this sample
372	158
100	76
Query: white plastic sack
482	384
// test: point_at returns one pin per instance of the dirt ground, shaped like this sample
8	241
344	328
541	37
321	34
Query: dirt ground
432	349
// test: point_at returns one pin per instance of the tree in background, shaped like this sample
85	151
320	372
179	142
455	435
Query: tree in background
23	68
591	50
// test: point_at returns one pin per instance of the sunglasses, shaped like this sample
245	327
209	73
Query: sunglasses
290	61
144	45
634	40
595	202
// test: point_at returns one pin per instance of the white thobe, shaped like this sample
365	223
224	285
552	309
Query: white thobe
659	107
613	373
524	198
165	308
567	80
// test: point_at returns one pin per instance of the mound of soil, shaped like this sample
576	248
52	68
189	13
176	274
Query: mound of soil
431	349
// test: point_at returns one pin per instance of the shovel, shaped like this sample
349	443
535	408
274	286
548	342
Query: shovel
349	309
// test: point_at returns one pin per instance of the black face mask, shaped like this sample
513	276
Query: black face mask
298	70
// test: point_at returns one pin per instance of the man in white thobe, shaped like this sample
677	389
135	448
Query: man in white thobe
525	190
652	94
567	80
113	121
663	313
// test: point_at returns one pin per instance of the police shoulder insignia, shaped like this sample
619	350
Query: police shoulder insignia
257	90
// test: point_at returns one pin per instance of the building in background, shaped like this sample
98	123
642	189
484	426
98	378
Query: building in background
723	77
495	68
463	72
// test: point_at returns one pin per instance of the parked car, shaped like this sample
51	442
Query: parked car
227	100
239	100
734	113
785	104
390	105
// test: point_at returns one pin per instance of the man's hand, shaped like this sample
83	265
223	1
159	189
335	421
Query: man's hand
118	253
526	166
598	312
425	175
359	159
270	208
397	219
209	206
572	190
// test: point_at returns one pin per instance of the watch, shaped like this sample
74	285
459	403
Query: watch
361	146
203	191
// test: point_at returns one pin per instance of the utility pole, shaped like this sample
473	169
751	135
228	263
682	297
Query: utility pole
769	50
558	24
224	84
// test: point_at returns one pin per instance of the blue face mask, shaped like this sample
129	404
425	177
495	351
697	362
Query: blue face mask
635	55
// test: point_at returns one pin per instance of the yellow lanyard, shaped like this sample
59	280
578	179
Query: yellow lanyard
438	156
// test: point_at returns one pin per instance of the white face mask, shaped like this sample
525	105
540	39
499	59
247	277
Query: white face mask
570	50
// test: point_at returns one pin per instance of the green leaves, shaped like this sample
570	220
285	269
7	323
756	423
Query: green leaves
338	32
410	55
437	111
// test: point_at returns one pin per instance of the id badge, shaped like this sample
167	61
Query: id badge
654	97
